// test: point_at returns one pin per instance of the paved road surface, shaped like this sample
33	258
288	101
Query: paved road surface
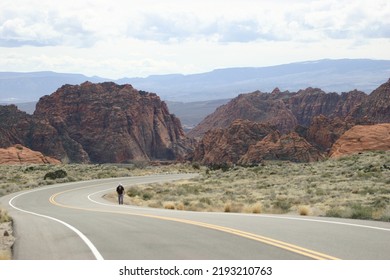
73	221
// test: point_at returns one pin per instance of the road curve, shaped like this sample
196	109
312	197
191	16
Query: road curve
73	221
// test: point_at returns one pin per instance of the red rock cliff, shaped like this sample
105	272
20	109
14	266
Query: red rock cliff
109	123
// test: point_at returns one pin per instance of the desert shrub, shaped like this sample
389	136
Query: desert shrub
58	174
196	165
227	207
304	210
134	191
205	200
147	195
380	202
335	212
223	166
256	208
4	217
180	206
361	212
169	205
283	204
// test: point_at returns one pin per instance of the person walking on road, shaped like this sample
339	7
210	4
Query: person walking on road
120	191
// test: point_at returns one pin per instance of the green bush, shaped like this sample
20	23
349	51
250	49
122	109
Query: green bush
147	196
361	212
58	174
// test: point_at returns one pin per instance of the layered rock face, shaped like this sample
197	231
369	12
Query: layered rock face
361	138
246	143
284	110
376	107
100	123
306	124
228	145
257	106
323	132
14	126
21	155
111	123
276	146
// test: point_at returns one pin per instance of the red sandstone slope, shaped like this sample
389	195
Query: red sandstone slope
361	138
21	155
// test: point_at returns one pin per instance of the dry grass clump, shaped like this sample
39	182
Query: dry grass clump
4	217
356	186
169	205
304	210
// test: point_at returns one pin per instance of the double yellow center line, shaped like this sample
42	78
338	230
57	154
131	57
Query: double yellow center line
273	242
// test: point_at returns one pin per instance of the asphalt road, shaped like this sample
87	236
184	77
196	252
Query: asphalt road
73	221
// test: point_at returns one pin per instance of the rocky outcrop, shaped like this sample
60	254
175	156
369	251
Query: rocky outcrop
14	126
306	124
97	123
111	123
376	107
323	132
311	102
247	143
21	155
361	138
277	146
285	110
227	146
256	106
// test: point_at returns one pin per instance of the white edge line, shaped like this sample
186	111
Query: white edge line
326	222
90	245
257	215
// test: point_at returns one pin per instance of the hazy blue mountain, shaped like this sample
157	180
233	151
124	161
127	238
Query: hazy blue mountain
329	75
192	113
18	87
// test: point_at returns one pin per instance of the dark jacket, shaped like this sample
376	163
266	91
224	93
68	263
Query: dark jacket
120	189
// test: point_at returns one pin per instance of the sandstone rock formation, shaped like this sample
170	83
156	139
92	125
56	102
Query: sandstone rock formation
286	109
361	138
276	146
323	132
376	107
306	124
228	145
14	126
246	143
98	123
21	155
256	106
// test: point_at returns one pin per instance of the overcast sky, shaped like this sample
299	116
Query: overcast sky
125	38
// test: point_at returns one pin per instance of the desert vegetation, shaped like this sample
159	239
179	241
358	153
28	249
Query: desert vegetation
14	178
356	186
6	238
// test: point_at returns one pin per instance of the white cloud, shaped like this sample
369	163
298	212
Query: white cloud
120	37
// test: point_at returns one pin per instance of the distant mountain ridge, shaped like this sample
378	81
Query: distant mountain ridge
330	75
